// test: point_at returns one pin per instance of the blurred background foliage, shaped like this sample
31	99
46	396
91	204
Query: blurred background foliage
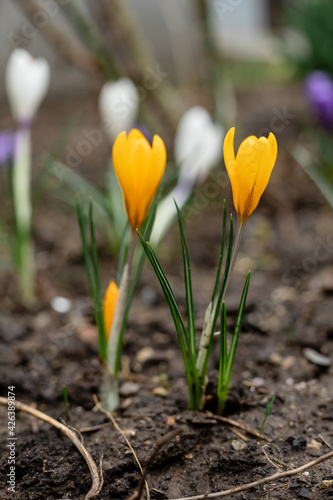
178	54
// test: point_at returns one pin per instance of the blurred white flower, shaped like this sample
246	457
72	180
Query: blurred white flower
198	148
27	81
119	106
198	144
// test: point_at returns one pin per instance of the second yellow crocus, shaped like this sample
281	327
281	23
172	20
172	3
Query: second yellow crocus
249	171
109	305
139	167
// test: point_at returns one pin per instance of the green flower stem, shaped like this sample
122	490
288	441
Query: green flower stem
240	231
23	212
113	349
227	358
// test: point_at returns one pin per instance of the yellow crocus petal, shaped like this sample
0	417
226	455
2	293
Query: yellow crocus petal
261	154
229	150
272	141
250	170
109	305
139	168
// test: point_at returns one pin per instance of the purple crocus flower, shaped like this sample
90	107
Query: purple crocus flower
7	145
319	92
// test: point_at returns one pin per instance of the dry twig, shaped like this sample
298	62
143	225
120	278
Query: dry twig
324	440
278	464
70	48
229	421
100	408
159	445
97	479
254	484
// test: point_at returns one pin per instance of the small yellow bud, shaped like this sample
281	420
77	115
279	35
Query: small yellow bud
109	305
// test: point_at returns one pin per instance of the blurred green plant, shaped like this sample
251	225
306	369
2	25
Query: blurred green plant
320	171
27	81
269	406
312	19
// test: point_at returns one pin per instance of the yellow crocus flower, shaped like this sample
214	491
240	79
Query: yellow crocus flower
250	170
109	305
139	168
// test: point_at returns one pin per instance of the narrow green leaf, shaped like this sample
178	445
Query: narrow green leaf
102	341
218	274
123	252
180	328
221	294
57	147
148	226
94	248
95	296
222	386
233	347
269	406
188	285
162	279
77	182
86	255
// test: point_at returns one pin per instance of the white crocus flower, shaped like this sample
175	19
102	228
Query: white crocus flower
198	144
197	149
119	106
27	81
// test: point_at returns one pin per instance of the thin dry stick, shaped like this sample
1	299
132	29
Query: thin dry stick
324	440
239	434
97	479
141	62
162	442
254	484
68	46
229	421
270	460
100	408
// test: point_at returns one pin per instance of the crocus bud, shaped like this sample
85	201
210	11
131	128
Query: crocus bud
27	81
119	106
249	171
197	144
139	168
319	92
109	306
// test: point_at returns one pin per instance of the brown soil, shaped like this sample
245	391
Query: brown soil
287	244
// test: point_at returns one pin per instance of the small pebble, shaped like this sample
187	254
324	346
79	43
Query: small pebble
61	305
129	389
316	358
314	445
275	359
170	421
144	354
159	391
237	445
298	444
